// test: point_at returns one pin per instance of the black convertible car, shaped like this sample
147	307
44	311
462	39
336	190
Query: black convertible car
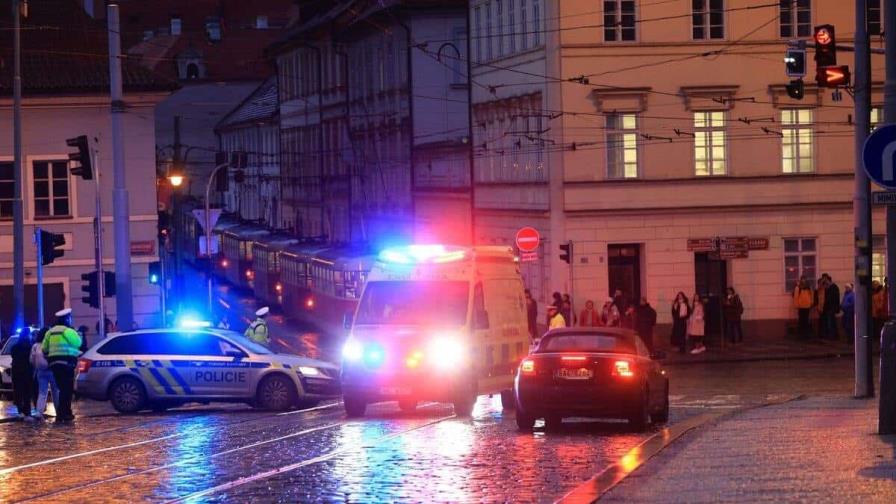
602	372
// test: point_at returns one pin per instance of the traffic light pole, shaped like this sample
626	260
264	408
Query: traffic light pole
40	277
208	235
98	245
18	216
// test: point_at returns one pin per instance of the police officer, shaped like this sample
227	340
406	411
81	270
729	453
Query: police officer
258	330
62	346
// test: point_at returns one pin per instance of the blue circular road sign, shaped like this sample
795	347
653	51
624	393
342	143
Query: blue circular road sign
879	156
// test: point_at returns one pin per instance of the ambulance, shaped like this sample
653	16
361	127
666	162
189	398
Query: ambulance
436	323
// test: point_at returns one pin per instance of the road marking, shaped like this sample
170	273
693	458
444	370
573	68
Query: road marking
9	470
298	465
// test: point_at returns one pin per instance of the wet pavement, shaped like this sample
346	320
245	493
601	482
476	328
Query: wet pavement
232	453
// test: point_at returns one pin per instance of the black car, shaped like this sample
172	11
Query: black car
602	372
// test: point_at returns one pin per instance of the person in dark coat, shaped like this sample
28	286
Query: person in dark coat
733	310
629	317
532	315
22	373
646	319
831	307
681	311
82	330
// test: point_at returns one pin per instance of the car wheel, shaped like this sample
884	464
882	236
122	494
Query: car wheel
355	406
524	421
407	405
553	423
127	395
465	400
640	417
277	393
507	400
663	415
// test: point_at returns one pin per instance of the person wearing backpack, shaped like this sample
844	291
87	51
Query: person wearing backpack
44	375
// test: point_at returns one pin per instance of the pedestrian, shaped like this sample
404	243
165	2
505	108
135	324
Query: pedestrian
22	373
646	319
610	313
62	346
82	331
258	329
44	374
831	307
802	301
818	303
697	326
108	326
555	318
629	318
590	316
620	301
848	307
733	310
532	315
556	300
566	310
878	307
681	311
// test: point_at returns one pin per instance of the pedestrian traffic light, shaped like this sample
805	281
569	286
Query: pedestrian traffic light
796	89
825	46
82	167
155	272
90	287
566	256
795	62
48	246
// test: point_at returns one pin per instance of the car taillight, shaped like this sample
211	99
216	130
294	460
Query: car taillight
527	366
84	365
623	368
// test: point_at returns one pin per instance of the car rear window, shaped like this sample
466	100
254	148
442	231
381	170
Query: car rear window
587	343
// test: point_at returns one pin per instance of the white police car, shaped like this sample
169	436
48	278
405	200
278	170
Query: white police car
161	368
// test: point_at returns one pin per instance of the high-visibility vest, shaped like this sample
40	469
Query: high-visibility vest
62	341
258	332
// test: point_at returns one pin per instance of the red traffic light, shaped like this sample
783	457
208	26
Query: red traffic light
833	76
824	35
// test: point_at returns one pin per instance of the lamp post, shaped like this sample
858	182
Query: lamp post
176	179
208	232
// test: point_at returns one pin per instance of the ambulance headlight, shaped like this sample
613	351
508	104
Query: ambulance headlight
352	351
446	352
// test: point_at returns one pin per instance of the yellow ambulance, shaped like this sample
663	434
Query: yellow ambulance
436	323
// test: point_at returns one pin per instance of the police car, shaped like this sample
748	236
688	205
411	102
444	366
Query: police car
6	368
161	368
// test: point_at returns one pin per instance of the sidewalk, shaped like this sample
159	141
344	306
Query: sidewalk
822	449
754	349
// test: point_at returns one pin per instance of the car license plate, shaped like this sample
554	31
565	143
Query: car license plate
574	374
395	391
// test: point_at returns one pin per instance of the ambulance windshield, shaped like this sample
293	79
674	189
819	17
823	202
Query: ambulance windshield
414	303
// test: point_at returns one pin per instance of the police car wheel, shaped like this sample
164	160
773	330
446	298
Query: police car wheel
276	393
127	395
355	406
408	405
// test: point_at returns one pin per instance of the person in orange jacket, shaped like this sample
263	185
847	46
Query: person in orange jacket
803	300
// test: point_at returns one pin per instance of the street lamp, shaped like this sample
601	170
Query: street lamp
176	180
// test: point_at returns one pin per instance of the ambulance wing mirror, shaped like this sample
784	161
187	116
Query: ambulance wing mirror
480	319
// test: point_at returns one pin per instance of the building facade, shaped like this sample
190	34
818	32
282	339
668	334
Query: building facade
682	164
374	126
66	94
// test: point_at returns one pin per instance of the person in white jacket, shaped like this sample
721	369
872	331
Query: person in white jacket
44	376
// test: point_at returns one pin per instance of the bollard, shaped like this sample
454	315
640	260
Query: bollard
886	420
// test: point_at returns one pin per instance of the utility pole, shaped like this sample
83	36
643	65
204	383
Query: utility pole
40	277
861	210
120	213
886	419
179	167
18	217
98	242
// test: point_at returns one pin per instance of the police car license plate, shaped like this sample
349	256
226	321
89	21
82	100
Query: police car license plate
574	374
395	391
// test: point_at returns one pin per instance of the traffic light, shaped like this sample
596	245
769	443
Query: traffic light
82	168
155	272
222	179
48	246
91	287
795	62
796	89
825	46
833	76
566	256
109	287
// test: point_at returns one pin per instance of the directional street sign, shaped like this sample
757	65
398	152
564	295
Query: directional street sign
879	156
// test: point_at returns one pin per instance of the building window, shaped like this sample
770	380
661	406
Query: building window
175	25
709	19
797	141
213	29
619	20
261	22
622	146
488	32
536	21
511	22
799	261
478	16
795	18
524	25
7	189
879	258
874	20
877	116
709	143
499	18
51	190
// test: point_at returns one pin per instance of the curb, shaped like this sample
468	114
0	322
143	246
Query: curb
763	358
590	491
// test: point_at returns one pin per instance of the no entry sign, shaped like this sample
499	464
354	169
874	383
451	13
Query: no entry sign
527	239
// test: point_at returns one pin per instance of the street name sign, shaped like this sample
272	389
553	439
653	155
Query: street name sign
879	156
883	197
